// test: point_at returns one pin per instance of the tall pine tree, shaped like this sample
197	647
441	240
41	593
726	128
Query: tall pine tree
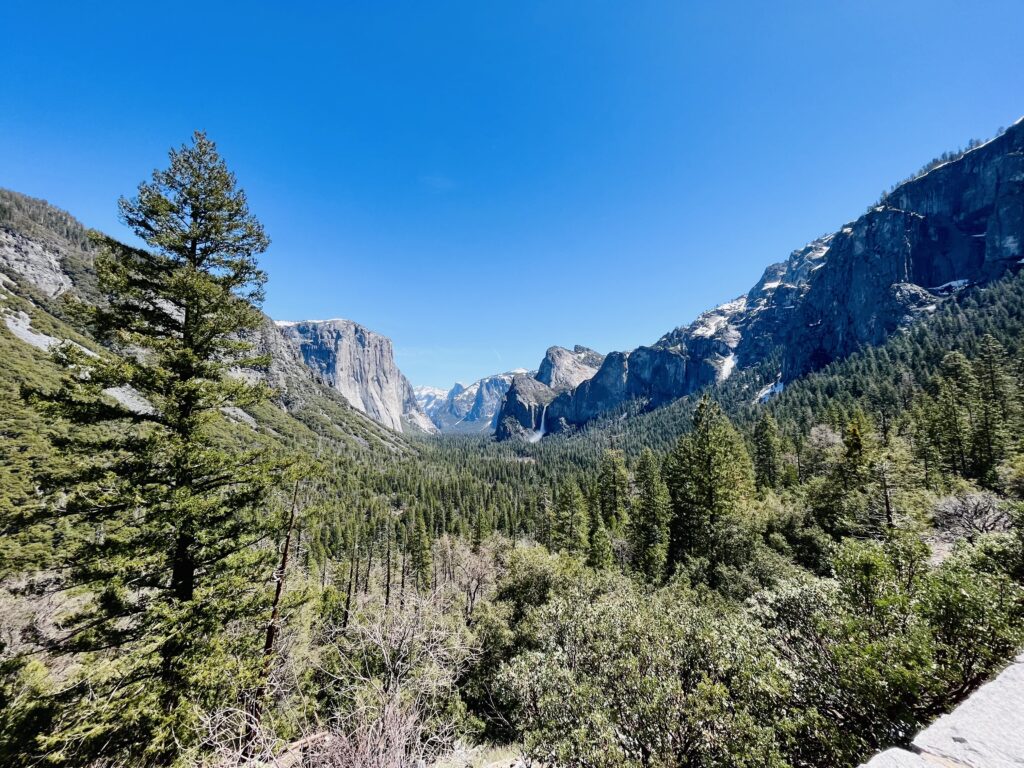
649	526
767	453
709	477
571	521
163	510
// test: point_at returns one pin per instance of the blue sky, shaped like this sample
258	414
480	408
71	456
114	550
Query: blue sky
481	180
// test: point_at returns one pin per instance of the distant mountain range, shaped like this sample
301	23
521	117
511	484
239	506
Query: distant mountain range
466	409
474	409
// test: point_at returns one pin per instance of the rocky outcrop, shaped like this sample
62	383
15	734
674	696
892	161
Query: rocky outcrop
44	249
38	264
359	364
960	224
985	731
467	409
523	413
563	369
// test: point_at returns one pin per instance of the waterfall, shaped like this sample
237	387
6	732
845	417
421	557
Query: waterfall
539	433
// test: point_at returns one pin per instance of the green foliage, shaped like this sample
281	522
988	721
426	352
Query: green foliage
767	453
613	491
621	679
710	478
600	555
649	527
159	513
571	523
892	643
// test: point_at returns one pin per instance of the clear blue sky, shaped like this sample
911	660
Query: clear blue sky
481	180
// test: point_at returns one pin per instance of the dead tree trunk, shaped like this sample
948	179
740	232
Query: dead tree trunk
273	627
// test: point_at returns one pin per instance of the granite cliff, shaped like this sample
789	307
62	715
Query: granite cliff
360	364
960	223
523	411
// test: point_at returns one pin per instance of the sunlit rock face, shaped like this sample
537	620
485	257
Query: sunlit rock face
360	364
563	369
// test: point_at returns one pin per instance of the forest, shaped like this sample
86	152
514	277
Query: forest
717	582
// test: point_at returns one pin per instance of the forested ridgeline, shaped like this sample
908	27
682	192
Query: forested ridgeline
718	582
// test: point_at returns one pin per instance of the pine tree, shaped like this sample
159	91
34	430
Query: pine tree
767	453
164	509
420	556
600	555
859	451
649	526
994	409
481	528
709	476
571	520
954	414
613	490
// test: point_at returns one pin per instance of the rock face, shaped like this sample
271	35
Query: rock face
359	364
985	731
44	249
466	409
959	224
524	410
37	263
563	369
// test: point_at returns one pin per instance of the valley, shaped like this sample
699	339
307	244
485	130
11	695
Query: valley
787	533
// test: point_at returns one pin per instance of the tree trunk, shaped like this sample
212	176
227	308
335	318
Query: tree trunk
387	578
256	706
353	572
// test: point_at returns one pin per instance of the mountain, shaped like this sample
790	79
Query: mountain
523	410
563	369
466	409
477	408
360	364
959	223
46	256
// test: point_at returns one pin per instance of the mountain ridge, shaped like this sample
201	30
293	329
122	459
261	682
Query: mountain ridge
959	223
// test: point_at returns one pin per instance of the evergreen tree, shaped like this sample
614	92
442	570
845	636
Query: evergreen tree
164	511
613	490
420	555
481	528
767	453
649	526
995	402
957	398
571	520
858	452
600	555
709	476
